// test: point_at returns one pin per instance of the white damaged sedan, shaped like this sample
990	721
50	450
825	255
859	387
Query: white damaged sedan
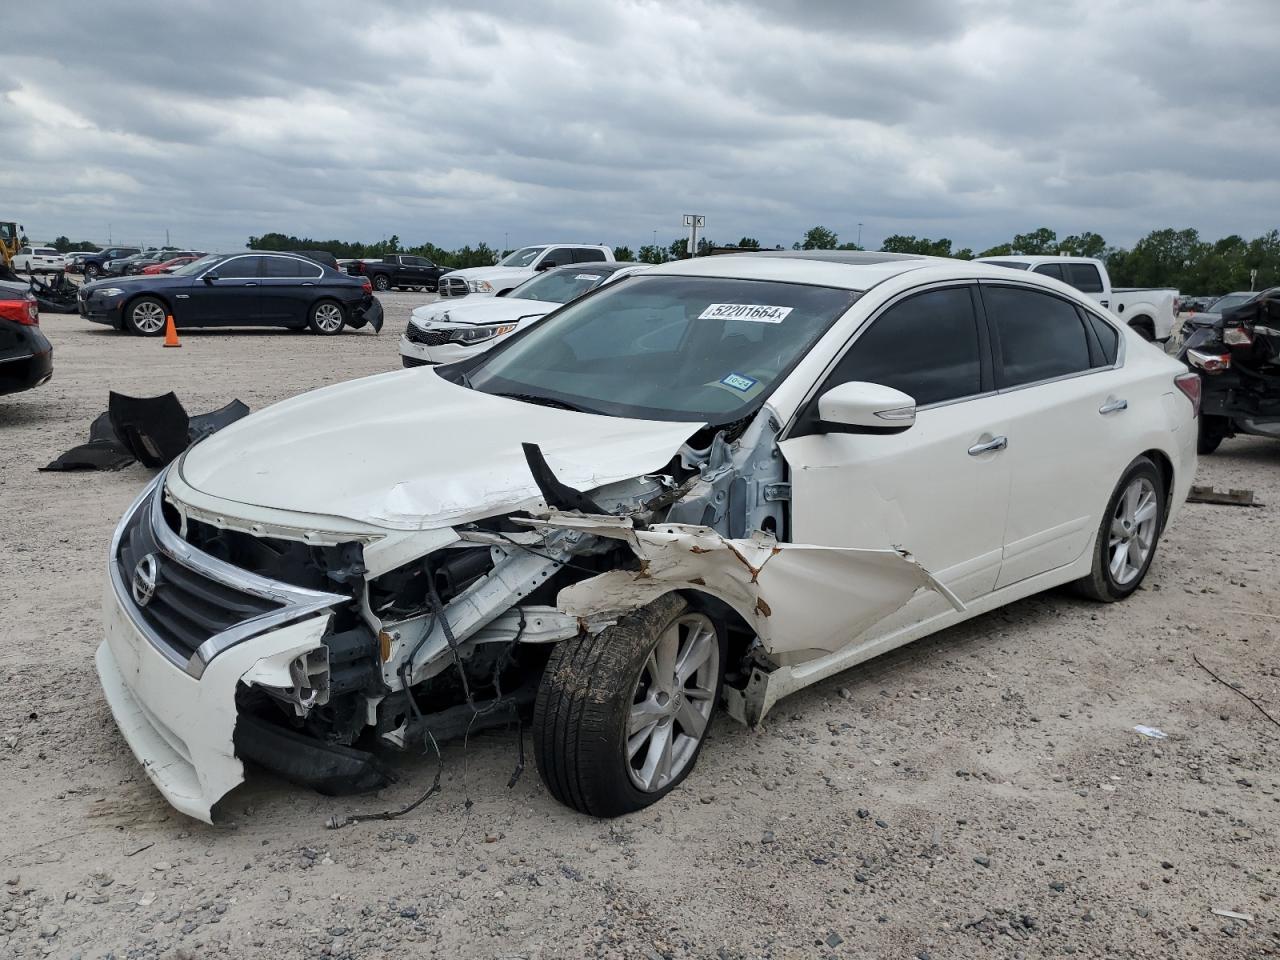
690	493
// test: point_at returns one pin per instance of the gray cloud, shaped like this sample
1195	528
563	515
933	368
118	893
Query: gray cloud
605	121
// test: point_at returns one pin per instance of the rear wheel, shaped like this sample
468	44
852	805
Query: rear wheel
1145	327
145	317
622	715
380	282
1126	542
327	318
1212	431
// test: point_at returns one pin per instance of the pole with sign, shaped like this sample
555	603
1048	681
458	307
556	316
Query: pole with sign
694	222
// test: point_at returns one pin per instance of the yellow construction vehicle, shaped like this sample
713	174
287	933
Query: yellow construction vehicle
10	244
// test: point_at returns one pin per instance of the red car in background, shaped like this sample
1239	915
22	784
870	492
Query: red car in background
169	265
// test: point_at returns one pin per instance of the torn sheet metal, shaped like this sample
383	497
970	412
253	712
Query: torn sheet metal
796	596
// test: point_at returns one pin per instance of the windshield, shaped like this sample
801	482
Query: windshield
557	286
521	258
197	266
1226	303
666	348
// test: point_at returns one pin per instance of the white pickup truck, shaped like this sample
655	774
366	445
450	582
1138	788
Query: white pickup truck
39	260
1149	310
517	267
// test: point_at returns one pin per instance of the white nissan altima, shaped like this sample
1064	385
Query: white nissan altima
693	492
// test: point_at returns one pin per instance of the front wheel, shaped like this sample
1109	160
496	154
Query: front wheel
1126	542
91	272
622	715
326	318
145	317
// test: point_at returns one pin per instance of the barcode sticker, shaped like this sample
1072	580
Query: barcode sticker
753	312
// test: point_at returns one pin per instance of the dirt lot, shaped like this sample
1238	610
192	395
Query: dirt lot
981	793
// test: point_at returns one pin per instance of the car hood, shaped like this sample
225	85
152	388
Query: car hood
491	273
480	312
135	280
409	450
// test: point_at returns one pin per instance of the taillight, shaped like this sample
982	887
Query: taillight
23	311
1191	387
366	286
1209	362
1237	336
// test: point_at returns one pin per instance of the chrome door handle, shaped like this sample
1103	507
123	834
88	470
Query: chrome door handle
250	284
1113	405
996	443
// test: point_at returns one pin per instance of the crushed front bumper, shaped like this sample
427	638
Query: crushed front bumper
179	727
170	668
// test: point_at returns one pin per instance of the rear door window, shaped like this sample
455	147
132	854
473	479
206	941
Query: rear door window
1049	270
285	267
1084	277
588	256
1037	336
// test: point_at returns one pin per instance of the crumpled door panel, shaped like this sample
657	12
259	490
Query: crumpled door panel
796	596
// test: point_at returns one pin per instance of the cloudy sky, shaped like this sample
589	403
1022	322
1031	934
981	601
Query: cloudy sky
605	120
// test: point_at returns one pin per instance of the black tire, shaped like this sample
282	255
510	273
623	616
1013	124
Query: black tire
140	317
1102	583
586	700
91	272
1212	431
380	282
1145	328
322	315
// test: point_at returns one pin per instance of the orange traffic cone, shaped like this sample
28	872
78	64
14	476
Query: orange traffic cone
170	332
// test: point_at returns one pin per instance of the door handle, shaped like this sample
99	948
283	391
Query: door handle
250	284
1113	405
989	446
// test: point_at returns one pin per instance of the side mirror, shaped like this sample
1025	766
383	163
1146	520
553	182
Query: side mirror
546	265
858	407
502	293
210	277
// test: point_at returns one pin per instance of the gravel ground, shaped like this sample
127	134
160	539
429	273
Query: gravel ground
979	793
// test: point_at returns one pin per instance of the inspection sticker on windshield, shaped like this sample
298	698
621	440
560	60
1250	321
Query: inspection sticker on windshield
739	382
754	312
584	276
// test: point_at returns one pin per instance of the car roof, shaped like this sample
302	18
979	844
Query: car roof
597	266
1034	259
845	272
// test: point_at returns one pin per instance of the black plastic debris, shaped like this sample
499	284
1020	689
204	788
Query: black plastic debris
102	452
54	295
149	430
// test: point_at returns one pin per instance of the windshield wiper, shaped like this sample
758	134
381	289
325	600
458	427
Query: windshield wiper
545	402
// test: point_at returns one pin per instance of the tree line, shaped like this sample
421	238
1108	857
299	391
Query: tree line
1163	258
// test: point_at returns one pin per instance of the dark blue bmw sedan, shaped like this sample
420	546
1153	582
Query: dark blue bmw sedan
235	290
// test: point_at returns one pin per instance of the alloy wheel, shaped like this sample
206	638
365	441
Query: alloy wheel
1133	530
672	703
328	317
148	317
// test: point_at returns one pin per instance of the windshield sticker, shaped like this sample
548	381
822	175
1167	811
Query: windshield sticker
584	276
754	312
739	382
